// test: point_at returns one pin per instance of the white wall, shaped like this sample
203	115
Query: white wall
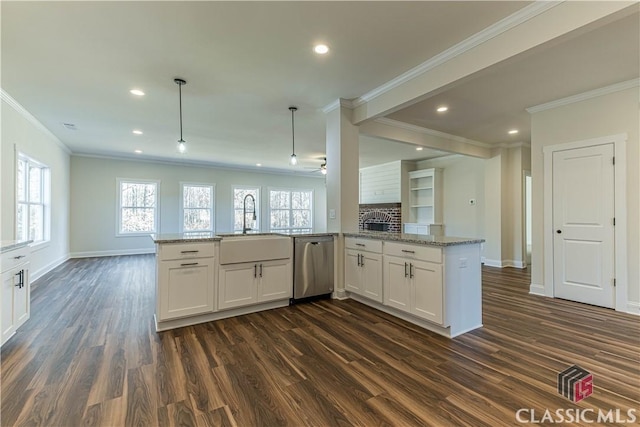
22	133
94	199
463	179
605	115
381	183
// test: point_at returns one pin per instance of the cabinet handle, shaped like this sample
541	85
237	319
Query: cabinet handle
411	271
189	252
361	260
360	244
408	252
19	257
260	270
20	275
188	264
255	270
405	270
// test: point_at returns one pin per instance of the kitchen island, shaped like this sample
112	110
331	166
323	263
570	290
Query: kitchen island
432	281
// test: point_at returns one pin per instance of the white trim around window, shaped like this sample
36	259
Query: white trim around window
148	202
209	208
290	228
33	200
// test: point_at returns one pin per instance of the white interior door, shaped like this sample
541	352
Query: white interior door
583	214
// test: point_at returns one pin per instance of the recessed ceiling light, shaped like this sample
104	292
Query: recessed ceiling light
136	92
442	109
321	49
418	148
513	131
137	151
258	164
137	132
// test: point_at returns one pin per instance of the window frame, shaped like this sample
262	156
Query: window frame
292	230
156	219
45	198
211	207
258	205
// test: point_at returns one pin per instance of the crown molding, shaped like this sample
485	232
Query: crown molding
431	132
31	119
585	95
340	102
199	164
505	24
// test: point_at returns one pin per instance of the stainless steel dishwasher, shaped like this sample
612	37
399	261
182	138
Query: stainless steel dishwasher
312	267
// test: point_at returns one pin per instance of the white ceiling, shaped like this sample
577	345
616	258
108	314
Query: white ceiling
247	62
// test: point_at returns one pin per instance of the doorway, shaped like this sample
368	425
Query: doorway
584	192
527	234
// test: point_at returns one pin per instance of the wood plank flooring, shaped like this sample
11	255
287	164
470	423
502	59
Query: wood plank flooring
89	356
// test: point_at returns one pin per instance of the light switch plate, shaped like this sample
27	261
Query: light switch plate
332	214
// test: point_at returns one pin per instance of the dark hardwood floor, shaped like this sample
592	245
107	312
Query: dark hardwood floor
89	356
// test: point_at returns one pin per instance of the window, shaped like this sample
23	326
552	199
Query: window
291	210
138	207
239	193
197	207
33	194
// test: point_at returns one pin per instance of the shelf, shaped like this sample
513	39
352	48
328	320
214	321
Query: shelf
421	188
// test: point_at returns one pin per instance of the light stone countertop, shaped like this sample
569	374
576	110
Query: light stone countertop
10	245
419	239
197	237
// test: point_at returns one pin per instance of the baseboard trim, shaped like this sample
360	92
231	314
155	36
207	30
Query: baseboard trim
47	268
340	294
536	289
503	263
633	308
117	252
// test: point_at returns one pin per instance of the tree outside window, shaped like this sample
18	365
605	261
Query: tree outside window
291	211
197	207
33	195
138	207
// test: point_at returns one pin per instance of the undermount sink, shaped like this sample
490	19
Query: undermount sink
239	248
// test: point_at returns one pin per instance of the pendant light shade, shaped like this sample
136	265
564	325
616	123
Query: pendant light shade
182	144
293	160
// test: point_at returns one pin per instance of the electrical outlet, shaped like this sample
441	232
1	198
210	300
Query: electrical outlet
472	202
463	263
332	214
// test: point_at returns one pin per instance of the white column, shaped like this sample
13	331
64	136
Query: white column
342	171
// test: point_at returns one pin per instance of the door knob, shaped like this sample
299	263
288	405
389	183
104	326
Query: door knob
559	231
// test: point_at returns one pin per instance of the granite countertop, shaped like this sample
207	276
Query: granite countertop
10	245
419	239
185	237
215	237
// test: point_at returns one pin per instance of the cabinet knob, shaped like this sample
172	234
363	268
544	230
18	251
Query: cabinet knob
559	231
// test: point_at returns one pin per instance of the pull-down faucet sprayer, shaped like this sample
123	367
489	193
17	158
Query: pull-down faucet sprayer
244	213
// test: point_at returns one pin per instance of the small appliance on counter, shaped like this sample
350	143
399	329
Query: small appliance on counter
312	268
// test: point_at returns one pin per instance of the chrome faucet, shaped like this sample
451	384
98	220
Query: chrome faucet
244	213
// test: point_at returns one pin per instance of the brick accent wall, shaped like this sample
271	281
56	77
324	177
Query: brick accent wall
381	213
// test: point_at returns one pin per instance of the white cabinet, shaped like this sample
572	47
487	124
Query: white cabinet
425	196
413	281
425	229
255	282
186	280
15	300
363	268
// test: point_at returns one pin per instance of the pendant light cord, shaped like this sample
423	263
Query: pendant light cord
293	132
180	92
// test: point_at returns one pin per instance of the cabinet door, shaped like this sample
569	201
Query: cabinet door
372	276
352	274
396	285
7	325
21	300
427	290
185	288
275	280
237	285
411	228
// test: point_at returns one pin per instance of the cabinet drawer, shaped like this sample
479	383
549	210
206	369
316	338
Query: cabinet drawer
14	258
424	253
363	244
171	251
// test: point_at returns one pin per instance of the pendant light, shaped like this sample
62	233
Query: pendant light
182	144
293	160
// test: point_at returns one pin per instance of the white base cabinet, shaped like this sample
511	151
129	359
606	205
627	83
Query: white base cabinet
186	280
255	282
15	292
363	268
